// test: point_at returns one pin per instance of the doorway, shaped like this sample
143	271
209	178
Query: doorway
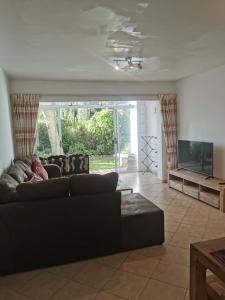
106	131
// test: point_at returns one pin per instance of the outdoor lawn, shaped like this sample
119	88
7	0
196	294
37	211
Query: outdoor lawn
101	163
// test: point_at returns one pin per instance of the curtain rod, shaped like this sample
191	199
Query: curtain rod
103	95
70	97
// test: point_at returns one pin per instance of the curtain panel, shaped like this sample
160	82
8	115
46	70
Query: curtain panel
25	114
168	105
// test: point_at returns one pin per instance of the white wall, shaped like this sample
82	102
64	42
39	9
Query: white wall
90	87
201	112
6	139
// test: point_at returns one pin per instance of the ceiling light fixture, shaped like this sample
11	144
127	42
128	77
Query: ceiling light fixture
128	63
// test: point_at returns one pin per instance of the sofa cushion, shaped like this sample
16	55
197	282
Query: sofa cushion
7	187
39	169
35	178
18	173
26	167
46	189
93	183
26	159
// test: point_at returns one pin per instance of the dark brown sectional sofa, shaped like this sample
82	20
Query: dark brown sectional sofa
67	219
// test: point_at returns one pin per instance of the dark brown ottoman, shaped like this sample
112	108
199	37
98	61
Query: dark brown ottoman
142	222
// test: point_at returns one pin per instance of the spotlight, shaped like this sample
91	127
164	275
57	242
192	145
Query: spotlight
130	63
140	66
116	67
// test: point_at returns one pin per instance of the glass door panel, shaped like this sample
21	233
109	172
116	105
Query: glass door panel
125	127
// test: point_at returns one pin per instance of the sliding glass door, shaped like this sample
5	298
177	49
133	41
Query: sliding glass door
125	130
106	131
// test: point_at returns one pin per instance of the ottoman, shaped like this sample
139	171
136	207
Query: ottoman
142	222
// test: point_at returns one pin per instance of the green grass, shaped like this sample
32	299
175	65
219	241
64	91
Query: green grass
103	163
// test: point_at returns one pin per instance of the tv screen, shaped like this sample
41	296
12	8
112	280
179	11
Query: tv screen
196	157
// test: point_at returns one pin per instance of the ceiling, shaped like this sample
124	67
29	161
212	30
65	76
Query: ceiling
76	40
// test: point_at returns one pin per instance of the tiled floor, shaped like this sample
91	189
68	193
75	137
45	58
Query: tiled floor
153	273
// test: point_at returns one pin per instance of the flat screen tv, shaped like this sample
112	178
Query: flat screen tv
196	157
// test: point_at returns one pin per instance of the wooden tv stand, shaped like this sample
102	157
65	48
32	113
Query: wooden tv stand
210	191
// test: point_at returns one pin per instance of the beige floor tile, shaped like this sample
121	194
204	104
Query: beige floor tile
168	236
176	210
43	286
168	193
114	260
17	281
153	251
7	294
171	226
106	296
213	233
126	285
185	197
164	198
180	202
184	240
156	187
156	290
217	225
191	229
173	217
172	273
212	210
161	201
176	255
69	270
195	220
200	207
139	265
220	224
94	275
75	291
192	212
216	214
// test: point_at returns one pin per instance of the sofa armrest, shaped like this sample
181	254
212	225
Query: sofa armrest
53	170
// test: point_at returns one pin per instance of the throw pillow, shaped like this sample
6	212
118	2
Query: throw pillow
39	169
35	178
32	177
18	173
26	159
22	165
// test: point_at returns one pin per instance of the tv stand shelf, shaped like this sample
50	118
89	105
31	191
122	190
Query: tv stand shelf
210	191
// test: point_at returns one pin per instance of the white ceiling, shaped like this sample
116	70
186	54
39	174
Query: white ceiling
73	39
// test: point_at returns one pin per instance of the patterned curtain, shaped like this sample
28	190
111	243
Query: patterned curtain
25	113
169	123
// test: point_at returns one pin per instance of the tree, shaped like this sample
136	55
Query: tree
102	132
92	134
53	125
